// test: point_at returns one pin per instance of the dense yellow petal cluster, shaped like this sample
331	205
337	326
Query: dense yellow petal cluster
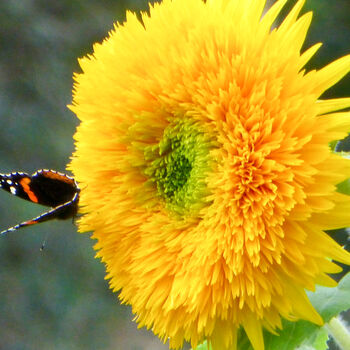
206	175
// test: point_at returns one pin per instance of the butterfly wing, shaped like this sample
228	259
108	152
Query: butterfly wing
63	211
46	187
18	184
53	188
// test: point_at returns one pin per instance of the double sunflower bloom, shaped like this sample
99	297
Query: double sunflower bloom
206	174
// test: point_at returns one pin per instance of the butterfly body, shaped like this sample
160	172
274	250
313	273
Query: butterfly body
46	187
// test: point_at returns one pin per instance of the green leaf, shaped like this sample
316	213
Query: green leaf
204	346
329	302
344	187
297	335
321	339
303	335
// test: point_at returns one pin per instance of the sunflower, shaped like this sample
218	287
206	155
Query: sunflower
206	173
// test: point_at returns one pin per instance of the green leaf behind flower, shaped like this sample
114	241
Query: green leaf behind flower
303	335
204	346
344	187
329	302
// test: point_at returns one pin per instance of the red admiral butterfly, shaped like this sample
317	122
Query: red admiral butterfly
46	187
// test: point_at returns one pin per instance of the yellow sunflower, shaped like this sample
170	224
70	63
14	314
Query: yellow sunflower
207	179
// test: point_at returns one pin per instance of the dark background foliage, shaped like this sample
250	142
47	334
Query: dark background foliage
58	298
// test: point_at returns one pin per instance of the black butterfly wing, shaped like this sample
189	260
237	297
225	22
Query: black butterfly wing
53	188
63	211
46	187
18	184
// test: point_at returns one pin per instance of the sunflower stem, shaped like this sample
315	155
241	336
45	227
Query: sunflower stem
339	331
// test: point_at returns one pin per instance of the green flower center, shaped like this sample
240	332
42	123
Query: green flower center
178	166
173	174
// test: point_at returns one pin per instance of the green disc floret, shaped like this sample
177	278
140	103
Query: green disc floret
179	164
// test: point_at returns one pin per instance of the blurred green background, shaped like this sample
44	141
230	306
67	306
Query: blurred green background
58	299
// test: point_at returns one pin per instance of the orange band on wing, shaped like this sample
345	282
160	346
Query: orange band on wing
31	222
25	186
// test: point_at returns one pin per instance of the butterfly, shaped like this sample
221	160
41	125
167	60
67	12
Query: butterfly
46	187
